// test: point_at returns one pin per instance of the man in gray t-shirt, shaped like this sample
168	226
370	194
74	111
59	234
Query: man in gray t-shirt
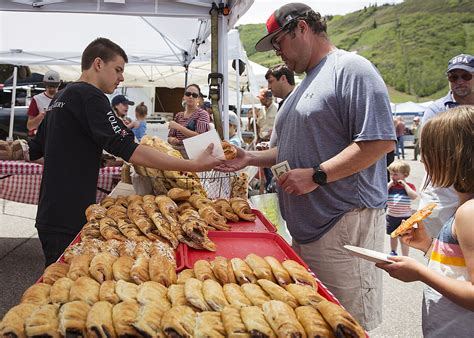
334	130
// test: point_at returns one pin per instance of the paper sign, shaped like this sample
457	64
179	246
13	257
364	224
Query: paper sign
197	144
280	168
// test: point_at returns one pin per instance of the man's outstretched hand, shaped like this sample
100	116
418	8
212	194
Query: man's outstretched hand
239	162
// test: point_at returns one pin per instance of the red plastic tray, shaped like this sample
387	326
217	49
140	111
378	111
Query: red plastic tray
261	224
240	244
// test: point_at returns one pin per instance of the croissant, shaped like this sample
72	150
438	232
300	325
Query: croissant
198	201
152	292
255	294
91	230
282	276
107	202
123	316
223	207
305	294
13	323
55	271
79	266
168	208
313	323
242	209
209	324
95	211
101	267
194	294
60	290
203	271
37	294
214	295
148	321
223	270
178	194
122	267
126	291
343	324
282	319
43	322
233	324
139	271
72	319
260	268
85	289
243	273
151	210
109	230
99	321
299	274
107	292
235	296
276	292
179	322
161	270
210	215
255	322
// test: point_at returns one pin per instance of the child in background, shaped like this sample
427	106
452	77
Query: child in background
233	125
400	194
139	125
447	150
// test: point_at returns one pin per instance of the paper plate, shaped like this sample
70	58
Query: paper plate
367	254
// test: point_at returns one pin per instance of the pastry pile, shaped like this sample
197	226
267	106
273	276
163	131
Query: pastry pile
164	180
254	297
179	216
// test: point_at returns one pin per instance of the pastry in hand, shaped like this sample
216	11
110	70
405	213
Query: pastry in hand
214	295
194	294
43	322
152	291
242	272
235	296
313	323
255	294
255	322
223	207
99	322
122	267
276	292
242	208
148	321
304	294
281	275
233	324
261	269
203	270
343	324
230	151
55	271
72	319
107	292
37	294
85	289
13	323
209	324
123	316
282	319
79	266
60	290
416	218
222	269
162	270
299	274
101	267
179	322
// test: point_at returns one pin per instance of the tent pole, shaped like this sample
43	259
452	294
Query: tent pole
237	92
186	74
215	78
12	110
223	69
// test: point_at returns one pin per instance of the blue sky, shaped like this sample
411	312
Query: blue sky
262	9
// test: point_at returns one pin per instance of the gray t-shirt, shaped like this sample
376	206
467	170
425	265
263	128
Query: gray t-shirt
342	100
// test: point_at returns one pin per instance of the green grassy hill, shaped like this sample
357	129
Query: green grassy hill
410	43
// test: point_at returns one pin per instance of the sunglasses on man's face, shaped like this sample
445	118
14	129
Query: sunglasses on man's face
452	77
188	94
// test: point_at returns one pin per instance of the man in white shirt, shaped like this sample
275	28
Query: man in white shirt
266	118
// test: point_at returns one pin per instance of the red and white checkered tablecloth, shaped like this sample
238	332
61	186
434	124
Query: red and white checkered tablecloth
20	181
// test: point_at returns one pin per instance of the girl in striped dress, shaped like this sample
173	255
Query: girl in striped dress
447	146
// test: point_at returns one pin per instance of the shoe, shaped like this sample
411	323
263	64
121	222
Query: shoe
393	253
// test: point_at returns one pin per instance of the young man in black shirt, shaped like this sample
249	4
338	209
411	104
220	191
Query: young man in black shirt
78	126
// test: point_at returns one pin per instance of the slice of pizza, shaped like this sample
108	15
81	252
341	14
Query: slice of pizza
413	219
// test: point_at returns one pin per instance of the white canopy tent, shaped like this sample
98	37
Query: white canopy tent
151	32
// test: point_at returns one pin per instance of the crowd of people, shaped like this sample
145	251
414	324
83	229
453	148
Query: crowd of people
334	129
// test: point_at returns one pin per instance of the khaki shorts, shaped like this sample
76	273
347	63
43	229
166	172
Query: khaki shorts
357	283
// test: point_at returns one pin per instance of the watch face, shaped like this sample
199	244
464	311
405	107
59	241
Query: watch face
319	177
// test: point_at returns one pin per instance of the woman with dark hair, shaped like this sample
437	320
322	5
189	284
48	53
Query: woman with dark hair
190	122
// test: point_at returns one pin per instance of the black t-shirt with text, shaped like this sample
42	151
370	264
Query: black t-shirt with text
78	125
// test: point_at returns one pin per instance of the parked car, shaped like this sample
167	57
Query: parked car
19	125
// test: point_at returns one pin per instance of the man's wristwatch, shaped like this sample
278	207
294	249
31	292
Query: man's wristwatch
319	176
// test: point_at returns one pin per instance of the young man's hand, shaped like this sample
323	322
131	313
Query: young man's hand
405	268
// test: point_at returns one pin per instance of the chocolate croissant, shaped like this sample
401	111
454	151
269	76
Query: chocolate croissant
313	323
148	321
55	271
139	271
343	324
276	292
126	291
243	273
101	267
194	294
122	267
214	295
305	294
179	321
85	289
162	270
299	274
43	322
233	324
72	319
202	270
152	291
255	294
123	316
281	275
222	269
209	324
13	323
37	294
235	296
260	268
282	319
255	322
242	209
60	290
99	322
107	292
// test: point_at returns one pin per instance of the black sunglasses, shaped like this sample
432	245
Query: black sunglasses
454	77
195	95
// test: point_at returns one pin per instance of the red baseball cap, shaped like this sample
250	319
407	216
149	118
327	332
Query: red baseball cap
278	20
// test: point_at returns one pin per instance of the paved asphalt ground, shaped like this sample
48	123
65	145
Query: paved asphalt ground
21	263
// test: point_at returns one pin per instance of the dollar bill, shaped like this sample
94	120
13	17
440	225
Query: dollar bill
280	168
